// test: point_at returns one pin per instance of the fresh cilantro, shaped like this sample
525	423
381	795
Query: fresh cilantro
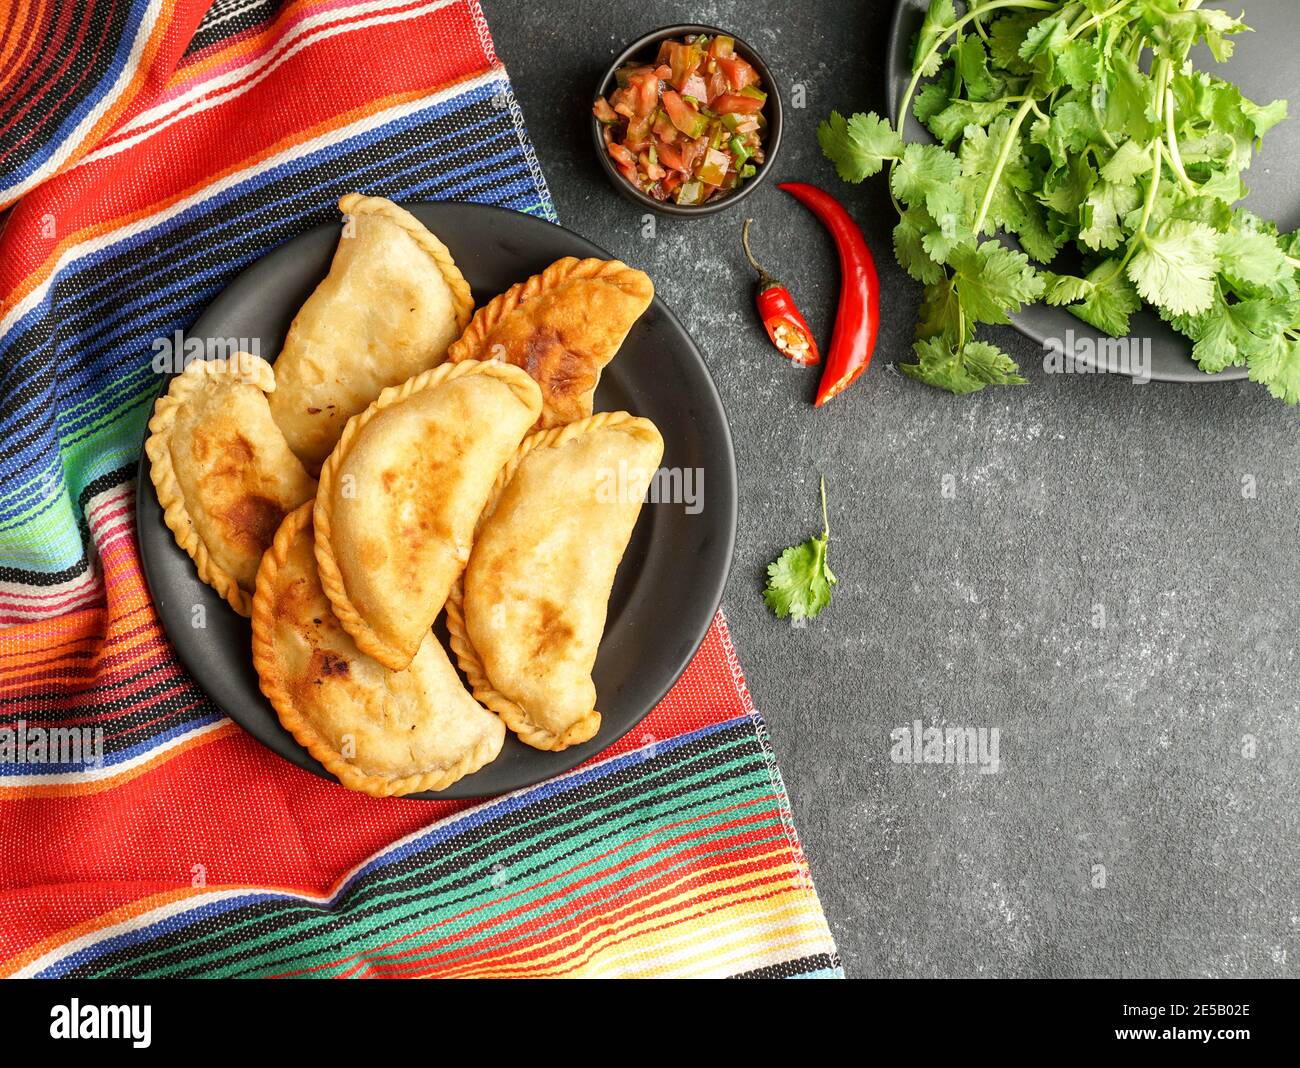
1053	127
859	145
799	581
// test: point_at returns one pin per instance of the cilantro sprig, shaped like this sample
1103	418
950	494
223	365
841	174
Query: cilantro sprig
1049	128
799	581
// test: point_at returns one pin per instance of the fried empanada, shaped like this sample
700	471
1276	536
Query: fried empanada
224	473
391	304
379	731
401	493
561	326
529	613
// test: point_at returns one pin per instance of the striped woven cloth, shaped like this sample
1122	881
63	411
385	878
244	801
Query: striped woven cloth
150	151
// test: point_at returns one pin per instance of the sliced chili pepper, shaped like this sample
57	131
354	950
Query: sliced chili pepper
785	326
858	319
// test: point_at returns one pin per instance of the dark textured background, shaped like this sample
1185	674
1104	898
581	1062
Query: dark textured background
1121	746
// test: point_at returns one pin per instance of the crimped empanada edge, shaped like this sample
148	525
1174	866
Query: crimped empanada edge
514	716
331	577
298	725
462	298
158	448
470	345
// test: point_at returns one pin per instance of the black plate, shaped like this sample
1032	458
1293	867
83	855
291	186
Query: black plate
1265	67
669	585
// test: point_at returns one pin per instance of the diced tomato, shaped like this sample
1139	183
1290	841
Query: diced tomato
684	60
683	115
717	85
697	87
739	73
638	134
721	47
670	156
604	111
664	129
672	183
622	155
715	167
651	169
734	102
699	148
645	93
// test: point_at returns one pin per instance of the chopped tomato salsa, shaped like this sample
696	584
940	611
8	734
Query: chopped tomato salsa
689	127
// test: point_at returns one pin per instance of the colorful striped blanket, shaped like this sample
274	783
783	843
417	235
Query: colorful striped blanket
149	152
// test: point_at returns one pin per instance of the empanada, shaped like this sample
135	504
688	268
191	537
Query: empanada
224	474
528	615
391	304
383	732
401	493
561	326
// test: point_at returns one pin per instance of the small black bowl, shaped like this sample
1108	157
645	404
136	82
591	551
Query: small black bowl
649	45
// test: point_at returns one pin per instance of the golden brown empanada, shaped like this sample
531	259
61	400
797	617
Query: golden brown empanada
401	493
383	732
224	474
561	326
391	304
528	615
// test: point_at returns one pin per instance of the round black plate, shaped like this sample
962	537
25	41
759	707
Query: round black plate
669	585
1263	65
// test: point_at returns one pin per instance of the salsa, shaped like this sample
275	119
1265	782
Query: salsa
689	127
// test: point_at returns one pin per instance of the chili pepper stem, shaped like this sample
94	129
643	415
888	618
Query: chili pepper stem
764	279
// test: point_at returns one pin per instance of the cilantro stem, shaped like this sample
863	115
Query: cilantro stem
1003	155
826	523
1099	17
1171	142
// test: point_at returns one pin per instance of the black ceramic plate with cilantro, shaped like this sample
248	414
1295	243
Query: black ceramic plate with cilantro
1066	103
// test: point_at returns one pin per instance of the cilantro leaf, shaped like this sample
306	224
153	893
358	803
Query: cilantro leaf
939	18
965	370
1175	265
926	177
1106	205
858	146
1277	365
1252	260
909	247
971	61
993	281
799	581
1130	162
1107	297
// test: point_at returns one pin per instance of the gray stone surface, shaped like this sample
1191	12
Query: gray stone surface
1121	745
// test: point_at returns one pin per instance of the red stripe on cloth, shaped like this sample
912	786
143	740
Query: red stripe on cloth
431	52
253	819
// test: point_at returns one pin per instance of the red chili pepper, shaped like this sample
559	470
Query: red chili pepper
858	318
785	326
